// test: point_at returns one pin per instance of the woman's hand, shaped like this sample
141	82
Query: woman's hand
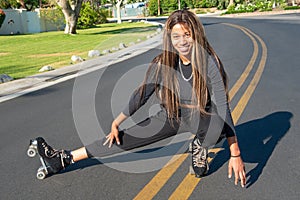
114	133
112	136
236	163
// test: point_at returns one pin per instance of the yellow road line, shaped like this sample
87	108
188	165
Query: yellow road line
189	183
158	181
240	107
238	84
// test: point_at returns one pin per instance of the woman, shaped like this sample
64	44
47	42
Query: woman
189	80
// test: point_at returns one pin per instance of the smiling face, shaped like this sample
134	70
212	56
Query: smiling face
182	40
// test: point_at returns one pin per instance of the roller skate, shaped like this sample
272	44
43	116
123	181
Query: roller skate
199	154
52	160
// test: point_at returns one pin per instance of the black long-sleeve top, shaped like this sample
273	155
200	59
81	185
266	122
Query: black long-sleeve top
215	86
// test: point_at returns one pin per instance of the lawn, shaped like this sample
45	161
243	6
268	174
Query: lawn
24	55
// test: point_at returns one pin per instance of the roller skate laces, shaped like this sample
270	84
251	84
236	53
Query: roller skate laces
57	160
199	158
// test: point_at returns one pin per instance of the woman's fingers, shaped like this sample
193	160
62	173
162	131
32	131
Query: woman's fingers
229	171
110	142
117	140
110	139
106	141
239	172
236	178
240	176
243	177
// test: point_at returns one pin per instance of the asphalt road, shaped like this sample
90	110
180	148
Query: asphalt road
68	115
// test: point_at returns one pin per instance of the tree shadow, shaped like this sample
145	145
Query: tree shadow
124	30
257	141
210	23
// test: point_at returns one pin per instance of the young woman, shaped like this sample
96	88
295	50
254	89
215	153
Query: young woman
189	80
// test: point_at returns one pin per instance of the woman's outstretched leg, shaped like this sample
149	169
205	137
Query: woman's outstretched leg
79	154
149	131
57	160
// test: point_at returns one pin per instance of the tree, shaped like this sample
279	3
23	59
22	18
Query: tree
25	4
5	4
158	7
2	17
29	4
118	5
71	10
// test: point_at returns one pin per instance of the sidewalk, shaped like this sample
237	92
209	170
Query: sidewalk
261	14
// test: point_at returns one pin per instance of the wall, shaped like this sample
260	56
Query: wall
130	12
18	21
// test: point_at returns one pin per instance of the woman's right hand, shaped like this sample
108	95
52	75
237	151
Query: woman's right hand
114	133
112	136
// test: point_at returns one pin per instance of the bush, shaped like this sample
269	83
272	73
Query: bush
90	16
264	5
292	8
223	4
230	9
102	15
241	8
2	17
153	7
54	16
207	3
199	11
87	17
168	6
250	7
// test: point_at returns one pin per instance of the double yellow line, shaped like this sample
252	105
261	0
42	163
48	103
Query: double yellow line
189	183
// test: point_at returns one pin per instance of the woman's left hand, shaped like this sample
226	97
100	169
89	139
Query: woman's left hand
237	165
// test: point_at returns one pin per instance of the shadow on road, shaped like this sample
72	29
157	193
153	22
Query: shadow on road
257	140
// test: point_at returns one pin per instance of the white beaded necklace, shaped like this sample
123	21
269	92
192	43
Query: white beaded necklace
186	79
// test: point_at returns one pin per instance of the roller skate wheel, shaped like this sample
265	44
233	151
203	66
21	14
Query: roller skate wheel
31	152
40	175
192	172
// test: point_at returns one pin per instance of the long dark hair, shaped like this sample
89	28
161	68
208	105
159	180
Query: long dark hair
164	65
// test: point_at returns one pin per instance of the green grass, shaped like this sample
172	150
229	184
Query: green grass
24	55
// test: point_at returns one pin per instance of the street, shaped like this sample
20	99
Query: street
261	58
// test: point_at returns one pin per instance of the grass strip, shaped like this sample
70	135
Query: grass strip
24	55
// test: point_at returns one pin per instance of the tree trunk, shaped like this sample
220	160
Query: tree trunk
71	10
231	2
158	7
118	5
24	5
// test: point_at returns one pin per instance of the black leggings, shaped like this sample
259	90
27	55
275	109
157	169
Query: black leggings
157	128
